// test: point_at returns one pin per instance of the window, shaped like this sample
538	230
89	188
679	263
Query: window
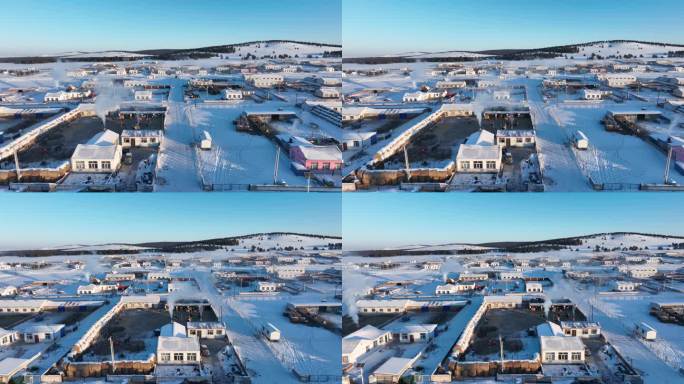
210	332
477	164
127	140
528	139
165	356
465	164
92	165
177	357
576	356
192	332
550	356
192	357
502	140
106	165
325	165
562	356
143	139
519	140
80	165
153	139
491	164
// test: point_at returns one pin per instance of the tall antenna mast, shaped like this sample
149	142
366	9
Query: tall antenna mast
406	162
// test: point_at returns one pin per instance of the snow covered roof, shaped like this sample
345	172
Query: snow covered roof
411	328
141	133
549	329
321	152
39	328
395	366
173	329
106	137
177	344
12	365
481	137
478	152
515	133
561	343
95	152
368	332
204	325
148	299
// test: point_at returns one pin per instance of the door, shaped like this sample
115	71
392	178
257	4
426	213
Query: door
411	338
36	339
508	142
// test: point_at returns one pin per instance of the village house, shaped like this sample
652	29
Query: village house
178	350
414	97
446	84
452	289
624	286
362	341
37	333
318	158
515	138
513	275
533	287
52	97
264	286
580	328
288	272
594	94
9	290
329	81
328	93
102	153
22	305
206	329
561	350
139	302
467	276
502	95
141	138
479	154
264	80
142	95
412	333
8	337
231	94
120	276
95	289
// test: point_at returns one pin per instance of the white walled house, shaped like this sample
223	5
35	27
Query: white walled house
206	329
362	341
141	138
102	153
8	337
452	289
618	80
446	84
52	97
624	286
142	95
583	329
533	287
33	333
329	81
120	276
412	97
478	158
265	80
264	286
561	350
178	350
502	95
516	138
413	333
95	289
231	94
328	93
9	290
594	94
507	276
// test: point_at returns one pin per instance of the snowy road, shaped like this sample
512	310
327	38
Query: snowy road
561	172
176	170
262	365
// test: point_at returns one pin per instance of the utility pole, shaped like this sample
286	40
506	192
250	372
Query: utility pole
501	351
406	162
667	165
16	165
111	349
275	167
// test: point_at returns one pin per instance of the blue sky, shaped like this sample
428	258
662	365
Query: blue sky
371	220
38	27
393	26
37	220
